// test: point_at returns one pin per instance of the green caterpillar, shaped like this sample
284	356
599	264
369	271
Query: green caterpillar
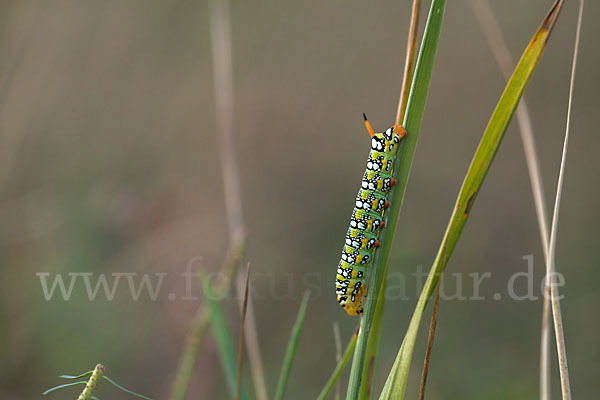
367	218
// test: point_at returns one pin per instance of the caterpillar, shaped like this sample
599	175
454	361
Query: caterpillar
367	218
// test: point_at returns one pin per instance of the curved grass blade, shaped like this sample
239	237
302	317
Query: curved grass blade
291	348
76	376
489	26
412	123
222	334
396	383
339	368
92	383
63	386
115	384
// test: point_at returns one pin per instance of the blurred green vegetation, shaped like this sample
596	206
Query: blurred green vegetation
108	164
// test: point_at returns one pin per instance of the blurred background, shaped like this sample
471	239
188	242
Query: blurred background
109	164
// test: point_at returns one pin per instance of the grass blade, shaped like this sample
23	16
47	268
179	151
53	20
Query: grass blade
550	263
339	368
291	348
131	392
412	123
489	25
240	360
338	355
375	334
64	385
493	35
76	376
222	334
396	383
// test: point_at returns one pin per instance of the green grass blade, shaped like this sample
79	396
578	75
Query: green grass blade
291	348
131	392
76	376
484	155
240	359
222	333
366	390
337	338
63	386
339	368
412	124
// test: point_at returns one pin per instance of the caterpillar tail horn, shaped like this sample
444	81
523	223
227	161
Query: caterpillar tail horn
368	125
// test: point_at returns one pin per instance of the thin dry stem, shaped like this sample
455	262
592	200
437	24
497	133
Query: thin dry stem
189	353
550	265
409	64
223	79
201	320
489	25
545	348
252	348
432	326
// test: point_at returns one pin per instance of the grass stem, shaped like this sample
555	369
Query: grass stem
340	367
432	326
220	33
550	264
292	347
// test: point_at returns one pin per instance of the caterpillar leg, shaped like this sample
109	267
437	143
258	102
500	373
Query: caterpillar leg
400	131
